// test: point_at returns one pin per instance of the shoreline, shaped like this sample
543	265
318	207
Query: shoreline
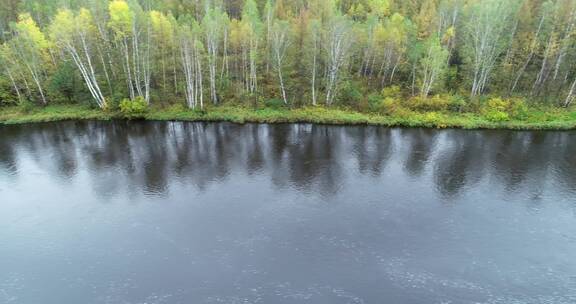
559	121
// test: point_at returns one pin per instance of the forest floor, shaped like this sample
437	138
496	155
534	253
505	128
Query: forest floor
559	119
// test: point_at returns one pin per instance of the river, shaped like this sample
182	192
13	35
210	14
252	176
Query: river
173	212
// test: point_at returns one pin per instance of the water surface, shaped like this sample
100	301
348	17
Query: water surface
122	213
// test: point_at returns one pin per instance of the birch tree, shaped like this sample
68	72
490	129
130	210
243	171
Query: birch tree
268	19
315	47
392	38
280	43
337	43
8	67
31	48
253	25
433	65
486	33
132	31
570	98
72	34
535	40
560	40
370	48
163	39
449	16
191	60
212	26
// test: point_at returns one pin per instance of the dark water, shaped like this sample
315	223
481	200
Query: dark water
115	212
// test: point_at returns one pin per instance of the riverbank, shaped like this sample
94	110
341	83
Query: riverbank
536	120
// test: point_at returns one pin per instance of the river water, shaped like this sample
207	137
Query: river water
157	212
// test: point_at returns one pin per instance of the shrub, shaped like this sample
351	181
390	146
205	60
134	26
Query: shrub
178	107
389	106
113	102
497	116
275	103
61	84
389	102
7	97
518	109
456	103
392	92
434	119
247	99
374	99
26	106
497	104
133	109
495	110
498	109
436	103
349	95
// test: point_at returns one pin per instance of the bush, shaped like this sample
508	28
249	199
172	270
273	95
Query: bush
247	99
7	97
26	106
518	109
389	106
275	103
497	116
498	109
435	119
62	84
178	107
392	92
497	104
349	95
133	109
456	103
495	110
372	102
436	103
374	99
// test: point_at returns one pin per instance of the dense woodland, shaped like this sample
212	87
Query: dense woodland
360	54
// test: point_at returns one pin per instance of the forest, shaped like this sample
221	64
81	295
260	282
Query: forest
498	60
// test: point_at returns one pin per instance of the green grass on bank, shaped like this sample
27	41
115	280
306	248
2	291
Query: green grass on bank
18	115
559	119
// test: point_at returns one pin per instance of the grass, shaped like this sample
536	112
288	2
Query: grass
18	115
558	119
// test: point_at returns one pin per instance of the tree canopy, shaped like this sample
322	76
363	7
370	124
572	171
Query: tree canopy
305	52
